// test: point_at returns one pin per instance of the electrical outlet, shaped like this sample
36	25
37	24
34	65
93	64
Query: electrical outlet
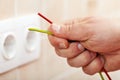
18	46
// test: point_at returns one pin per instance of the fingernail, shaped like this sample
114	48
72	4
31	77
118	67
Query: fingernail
62	45
56	27
80	47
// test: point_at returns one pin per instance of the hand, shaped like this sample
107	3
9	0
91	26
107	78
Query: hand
96	35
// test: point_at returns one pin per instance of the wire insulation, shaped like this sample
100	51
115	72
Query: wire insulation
45	18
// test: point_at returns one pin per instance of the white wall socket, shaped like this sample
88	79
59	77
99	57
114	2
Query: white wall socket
18	45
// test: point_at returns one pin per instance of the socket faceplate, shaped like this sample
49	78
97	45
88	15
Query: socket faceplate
18	46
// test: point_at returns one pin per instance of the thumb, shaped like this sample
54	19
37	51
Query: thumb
78	31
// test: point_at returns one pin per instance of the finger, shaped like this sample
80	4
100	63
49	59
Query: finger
112	60
95	66
78	31
73	50
82	59
58	42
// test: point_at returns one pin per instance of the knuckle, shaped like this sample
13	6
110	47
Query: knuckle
93	67
58	52
68	30
72	63
88	71
62	53
72	53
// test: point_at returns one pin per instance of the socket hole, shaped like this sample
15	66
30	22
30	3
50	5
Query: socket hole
9	46
31	41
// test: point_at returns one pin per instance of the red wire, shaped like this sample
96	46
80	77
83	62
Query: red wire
106	74
45	18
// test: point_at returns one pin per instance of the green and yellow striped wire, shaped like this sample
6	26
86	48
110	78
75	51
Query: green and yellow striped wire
101	76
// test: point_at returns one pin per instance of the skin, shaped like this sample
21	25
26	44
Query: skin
91	43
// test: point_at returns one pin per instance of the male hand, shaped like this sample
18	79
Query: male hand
95	43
